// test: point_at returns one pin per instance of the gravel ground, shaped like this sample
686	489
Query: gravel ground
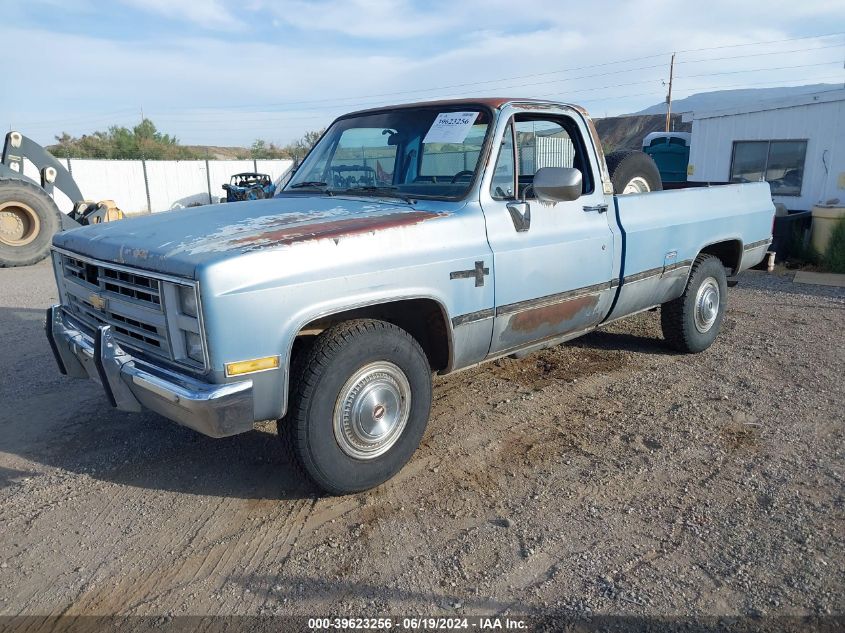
605	476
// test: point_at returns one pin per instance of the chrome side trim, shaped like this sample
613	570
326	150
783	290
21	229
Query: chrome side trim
683	264
651	272
471	317
519	306
656	272
758	243
529	304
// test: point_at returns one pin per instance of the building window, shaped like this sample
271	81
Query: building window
780	163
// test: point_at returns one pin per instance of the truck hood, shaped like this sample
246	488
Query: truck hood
178	242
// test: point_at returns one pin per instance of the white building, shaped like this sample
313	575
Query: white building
796	144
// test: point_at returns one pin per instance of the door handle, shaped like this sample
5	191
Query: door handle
599	208
520	215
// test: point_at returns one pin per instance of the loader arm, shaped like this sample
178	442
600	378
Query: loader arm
53	174
29	216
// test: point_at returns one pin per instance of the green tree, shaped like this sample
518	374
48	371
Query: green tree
261	149
301	146
142	141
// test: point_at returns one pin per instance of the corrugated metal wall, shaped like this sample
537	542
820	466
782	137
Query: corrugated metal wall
821	124
546	152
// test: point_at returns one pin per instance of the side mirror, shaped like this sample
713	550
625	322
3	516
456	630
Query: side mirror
557	184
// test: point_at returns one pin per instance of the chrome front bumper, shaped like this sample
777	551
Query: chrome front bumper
217	410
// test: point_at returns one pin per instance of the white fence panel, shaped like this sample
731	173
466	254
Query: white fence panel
118	180
275	168
222	170
175	184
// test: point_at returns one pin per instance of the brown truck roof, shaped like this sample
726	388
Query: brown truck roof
491	102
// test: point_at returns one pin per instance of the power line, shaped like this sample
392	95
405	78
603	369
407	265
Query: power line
551	72
370	103
732	57
564	97
656	94
790	39
337	105
756	70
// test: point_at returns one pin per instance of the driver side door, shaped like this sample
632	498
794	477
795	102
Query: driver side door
553	263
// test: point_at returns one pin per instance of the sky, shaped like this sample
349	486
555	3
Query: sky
223	72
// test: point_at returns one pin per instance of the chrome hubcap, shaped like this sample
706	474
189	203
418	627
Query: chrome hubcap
637	185
706	305
372	410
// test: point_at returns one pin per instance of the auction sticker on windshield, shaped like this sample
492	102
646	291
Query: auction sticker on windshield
450	127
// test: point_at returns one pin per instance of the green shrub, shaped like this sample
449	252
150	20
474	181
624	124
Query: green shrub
834	256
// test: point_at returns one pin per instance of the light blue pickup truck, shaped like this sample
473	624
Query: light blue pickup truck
413	239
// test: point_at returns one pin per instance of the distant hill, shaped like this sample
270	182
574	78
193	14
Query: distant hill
627	132
221	153
721	99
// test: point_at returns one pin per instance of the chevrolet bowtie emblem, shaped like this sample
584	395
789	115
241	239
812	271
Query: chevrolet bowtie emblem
98	302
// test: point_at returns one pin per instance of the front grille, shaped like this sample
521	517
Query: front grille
130	302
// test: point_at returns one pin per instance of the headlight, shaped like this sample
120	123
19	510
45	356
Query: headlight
193	346
188	300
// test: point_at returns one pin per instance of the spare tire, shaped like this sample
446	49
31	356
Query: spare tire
28	220
633	172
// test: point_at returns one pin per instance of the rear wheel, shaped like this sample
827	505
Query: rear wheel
692	321
28	220
359	405
633	172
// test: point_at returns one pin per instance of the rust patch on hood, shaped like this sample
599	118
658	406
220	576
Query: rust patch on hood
554	316
330	229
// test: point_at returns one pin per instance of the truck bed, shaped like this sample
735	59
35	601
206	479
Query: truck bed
662	232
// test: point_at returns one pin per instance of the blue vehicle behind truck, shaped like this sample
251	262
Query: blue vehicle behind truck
249	186
475	229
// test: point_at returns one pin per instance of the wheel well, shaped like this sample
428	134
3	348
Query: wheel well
729	252
424	319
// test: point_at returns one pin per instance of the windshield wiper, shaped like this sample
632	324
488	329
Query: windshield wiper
385	190
308	183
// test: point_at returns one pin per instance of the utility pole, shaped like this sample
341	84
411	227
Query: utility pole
669	96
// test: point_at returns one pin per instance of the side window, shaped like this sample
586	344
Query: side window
545	142
502	185
780	163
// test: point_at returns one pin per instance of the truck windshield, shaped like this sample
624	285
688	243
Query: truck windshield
425	152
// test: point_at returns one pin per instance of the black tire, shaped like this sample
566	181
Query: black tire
31	217
682	329
322	373
626	165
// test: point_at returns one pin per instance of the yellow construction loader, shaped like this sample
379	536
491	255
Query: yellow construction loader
29	217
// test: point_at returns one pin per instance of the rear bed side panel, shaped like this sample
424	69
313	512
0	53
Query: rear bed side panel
665	231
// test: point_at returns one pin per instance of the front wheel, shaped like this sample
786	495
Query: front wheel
360	401
692	321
